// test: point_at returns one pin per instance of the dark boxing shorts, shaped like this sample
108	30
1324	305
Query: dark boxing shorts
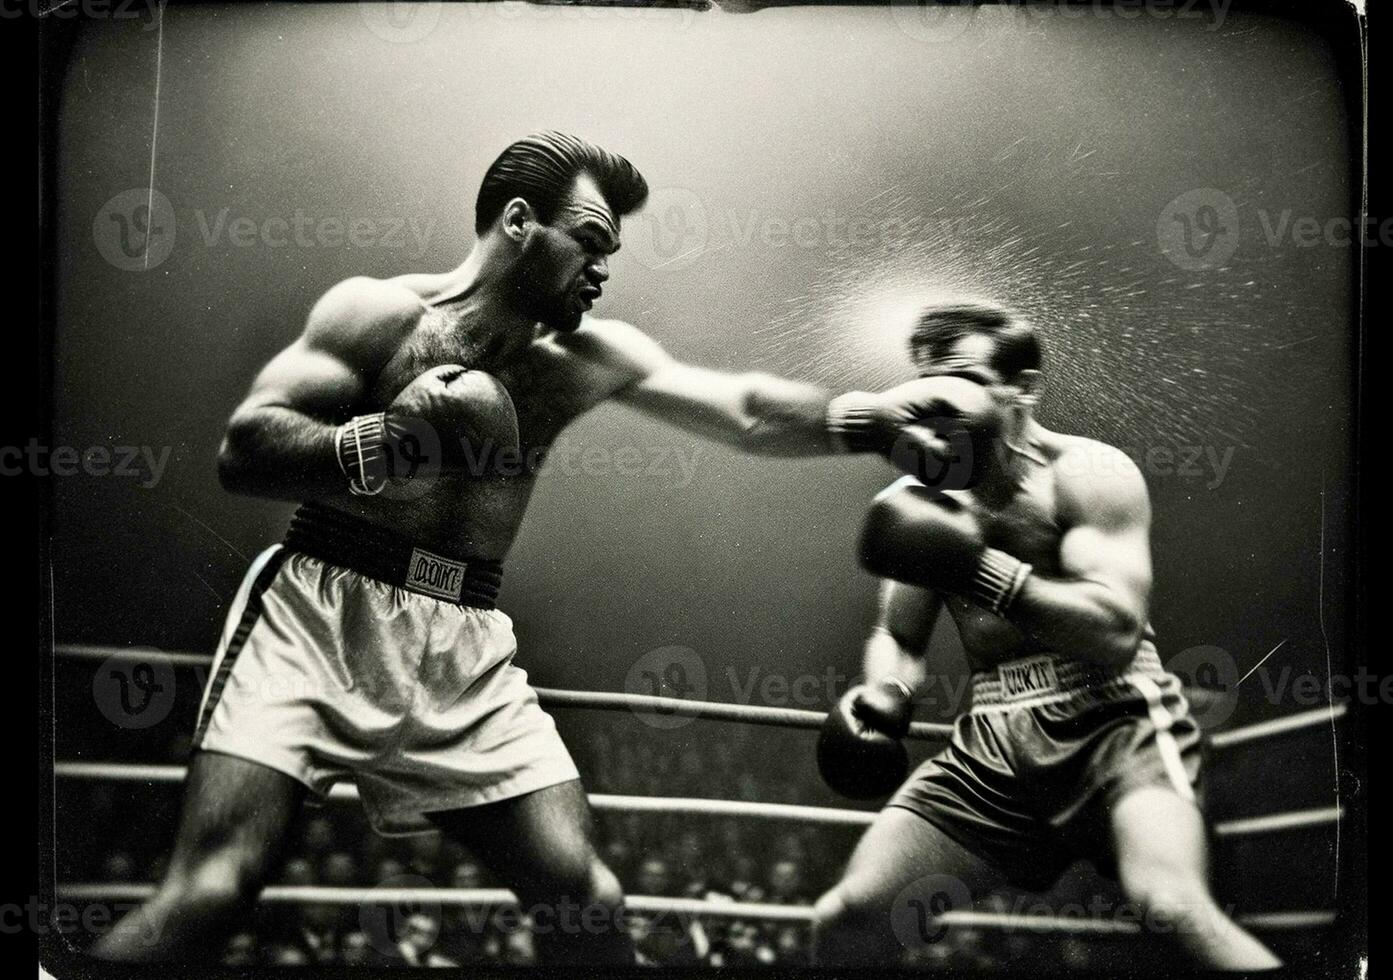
1048	747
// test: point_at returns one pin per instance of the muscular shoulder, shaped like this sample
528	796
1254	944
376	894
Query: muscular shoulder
1099	484
619	349
361	316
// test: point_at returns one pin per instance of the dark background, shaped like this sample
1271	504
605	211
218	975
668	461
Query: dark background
1033	151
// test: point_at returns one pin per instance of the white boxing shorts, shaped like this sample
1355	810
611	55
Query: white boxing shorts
399	677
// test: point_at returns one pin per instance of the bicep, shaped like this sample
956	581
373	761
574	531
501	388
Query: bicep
1108	541
650	379
310	379
349	334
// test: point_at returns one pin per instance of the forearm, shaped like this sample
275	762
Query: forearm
783	418
885	656
1079	619
277	452
753	412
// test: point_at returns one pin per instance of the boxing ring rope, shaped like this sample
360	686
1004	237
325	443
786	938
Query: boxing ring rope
556	698
711	710
122	772
827	816
1278	726
696	907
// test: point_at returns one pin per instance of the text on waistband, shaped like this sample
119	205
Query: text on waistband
1023	678
435	576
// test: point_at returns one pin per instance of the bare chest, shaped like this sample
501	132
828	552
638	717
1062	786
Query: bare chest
550	385
1026	526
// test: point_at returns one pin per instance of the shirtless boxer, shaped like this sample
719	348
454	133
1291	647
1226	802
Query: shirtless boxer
1078	743
408	418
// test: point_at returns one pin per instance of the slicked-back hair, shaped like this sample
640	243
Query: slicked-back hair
1016	345
541	168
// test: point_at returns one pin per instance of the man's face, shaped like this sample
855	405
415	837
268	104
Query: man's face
972	355
565	263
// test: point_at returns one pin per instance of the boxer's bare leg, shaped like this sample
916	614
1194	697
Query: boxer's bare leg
899	853
231	830
1161	864
542	846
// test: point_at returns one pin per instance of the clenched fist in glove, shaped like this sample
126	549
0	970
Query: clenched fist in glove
860	753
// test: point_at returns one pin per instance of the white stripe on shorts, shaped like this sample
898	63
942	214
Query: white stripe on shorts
234	617
1165	741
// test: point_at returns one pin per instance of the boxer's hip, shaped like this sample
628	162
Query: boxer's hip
1047	747
1045	713
1050	680
362	626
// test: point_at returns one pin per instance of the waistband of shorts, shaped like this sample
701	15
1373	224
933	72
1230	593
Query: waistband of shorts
336	538
1048	677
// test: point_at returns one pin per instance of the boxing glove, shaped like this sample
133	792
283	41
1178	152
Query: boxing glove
938	429
915	536
859	752
447	420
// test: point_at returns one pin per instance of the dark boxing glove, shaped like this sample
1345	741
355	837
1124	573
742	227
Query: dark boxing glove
860	753
448	419
915	536
938	429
